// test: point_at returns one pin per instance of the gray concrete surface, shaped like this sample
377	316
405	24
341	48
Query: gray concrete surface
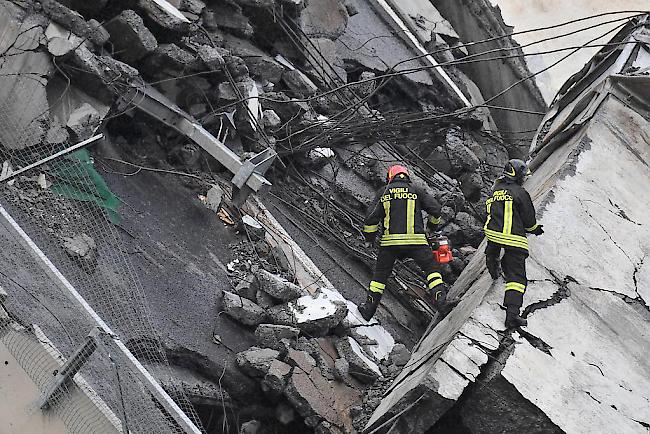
581	359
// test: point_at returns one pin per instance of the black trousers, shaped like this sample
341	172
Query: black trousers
422	255
513	264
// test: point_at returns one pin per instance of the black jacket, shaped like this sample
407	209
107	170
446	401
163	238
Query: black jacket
398	207
511	215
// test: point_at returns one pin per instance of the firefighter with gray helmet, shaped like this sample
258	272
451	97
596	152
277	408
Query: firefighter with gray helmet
511	216
398	208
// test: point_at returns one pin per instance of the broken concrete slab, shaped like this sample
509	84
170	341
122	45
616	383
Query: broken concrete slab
131	39
341	369
229	18
299	84
311	395
361	366
301	360
61	41
271	119
164	17
168	59
284	106
324	19
192	6
3	295
275	380
227	92
245	288
256	362
84	121
72	20
270	335
264	300
400	355
214	197
314	315
82	249
242	309
278	287
211	57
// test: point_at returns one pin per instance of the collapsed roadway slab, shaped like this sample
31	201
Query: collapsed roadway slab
581	365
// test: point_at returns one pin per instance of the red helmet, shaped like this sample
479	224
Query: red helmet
395	170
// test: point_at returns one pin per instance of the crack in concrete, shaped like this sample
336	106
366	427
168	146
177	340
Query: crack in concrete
562	292
639	301
586	209
590	396
536	342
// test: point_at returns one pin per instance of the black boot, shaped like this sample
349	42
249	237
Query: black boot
369	307
513	320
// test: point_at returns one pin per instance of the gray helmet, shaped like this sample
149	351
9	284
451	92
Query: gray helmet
516	170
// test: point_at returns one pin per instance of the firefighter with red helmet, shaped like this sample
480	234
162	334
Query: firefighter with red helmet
398	208
511	216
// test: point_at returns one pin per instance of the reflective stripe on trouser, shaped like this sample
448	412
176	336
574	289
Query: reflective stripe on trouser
434	279
377	287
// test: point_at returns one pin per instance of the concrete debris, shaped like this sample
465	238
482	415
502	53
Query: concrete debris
229	18
314	315
319	156
400	355
253	229
246	289
256	362
341	369
164	17
299	84
311	395
301	360
242	309
471	184
131	39
271	335
84	121
57	133
284	106
61	41
228	94
3	295
275	380
327	428
193	6
83	250
264	300
325	18
73	21
211	57
168	58
214	197
251	427
361	365
271	119
277	286
284	413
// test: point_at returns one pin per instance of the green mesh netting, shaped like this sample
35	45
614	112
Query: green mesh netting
76	178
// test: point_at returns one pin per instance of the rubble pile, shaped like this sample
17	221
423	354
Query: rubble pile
258	75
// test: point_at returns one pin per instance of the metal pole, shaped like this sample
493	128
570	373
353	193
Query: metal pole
52	157
149	381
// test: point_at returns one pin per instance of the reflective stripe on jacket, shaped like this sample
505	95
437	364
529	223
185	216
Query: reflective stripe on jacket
511	215
398	208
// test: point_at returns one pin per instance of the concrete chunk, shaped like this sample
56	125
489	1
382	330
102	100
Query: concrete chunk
211	57
361	366
84	121
131	39
242	309
299	83
277	286
3	295
270	335
276	378
271	119
400	355
314	315
256	362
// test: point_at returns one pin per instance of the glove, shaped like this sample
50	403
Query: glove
432	228
538	230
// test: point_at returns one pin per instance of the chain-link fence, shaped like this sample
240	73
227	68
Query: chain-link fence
69	212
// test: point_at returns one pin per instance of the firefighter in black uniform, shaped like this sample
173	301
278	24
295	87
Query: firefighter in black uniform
398	207
511	216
